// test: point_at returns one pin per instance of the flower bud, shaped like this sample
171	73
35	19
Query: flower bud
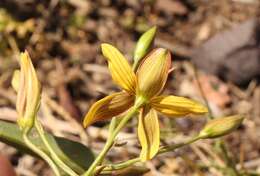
28	92
143	45
152	73
221	126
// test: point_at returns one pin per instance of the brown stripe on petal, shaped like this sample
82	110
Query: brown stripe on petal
108	107
148	133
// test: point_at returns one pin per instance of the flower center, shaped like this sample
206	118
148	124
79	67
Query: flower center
140	101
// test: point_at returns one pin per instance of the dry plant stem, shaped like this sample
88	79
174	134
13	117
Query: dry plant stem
161	151
54	156
210	116
223	149
231	167
66	116
39	152
110	140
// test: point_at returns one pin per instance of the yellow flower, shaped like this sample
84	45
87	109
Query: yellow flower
28	88
146	85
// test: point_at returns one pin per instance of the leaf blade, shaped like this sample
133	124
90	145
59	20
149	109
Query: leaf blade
75	154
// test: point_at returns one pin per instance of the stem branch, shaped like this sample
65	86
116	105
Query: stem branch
39	152
164	149
110	140
54	156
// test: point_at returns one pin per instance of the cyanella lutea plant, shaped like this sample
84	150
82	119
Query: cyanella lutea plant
141	96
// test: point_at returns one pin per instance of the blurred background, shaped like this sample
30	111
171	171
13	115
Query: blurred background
213	43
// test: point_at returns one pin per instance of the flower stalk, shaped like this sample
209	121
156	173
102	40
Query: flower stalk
162	150
39	152
231	122
54	156
110	140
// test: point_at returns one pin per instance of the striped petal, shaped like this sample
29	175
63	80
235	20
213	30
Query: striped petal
121	71
108	107
177	106
33	94
152	73
28	88
148	133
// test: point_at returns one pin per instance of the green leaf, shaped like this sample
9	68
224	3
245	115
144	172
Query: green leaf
75	154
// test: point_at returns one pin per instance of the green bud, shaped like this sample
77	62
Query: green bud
221	126
143	45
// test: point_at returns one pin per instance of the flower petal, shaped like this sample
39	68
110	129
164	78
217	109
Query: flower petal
28	88
16	80
120	69
33	94
21	91
152	73
148	133
108	107
177	106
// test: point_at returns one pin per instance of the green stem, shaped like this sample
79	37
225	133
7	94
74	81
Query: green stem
54	156
175	146
112	125
39	152
122	165
128	163
110	140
